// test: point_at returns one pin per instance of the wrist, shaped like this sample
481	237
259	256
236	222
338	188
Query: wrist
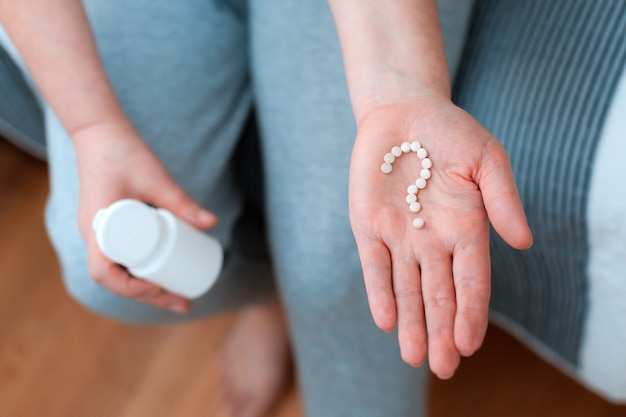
393	52
111	125
398	92
422	103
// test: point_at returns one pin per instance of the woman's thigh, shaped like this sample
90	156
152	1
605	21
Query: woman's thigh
308	131
180	71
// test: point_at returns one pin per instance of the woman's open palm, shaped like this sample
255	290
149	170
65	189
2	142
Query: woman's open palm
434	282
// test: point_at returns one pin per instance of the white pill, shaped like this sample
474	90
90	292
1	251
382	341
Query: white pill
415	146
406	147
425	173
418	223
411	198
396	151
427	163
422	153
420	183
415	207
389	158
386	168
412	189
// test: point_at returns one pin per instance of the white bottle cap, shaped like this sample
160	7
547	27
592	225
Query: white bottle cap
127	231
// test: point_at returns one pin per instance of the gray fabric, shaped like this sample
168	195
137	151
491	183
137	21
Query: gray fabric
21	119
540	75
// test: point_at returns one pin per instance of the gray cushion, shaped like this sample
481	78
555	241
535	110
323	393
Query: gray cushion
21	118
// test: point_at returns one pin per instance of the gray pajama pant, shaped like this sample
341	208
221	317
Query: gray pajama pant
187	74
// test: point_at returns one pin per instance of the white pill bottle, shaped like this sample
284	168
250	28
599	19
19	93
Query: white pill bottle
156	246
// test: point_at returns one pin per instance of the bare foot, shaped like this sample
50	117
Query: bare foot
255	362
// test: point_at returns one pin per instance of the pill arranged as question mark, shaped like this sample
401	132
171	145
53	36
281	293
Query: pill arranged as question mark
425	174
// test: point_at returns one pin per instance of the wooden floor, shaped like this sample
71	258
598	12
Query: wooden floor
58	360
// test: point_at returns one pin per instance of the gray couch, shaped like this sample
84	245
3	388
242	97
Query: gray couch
21	119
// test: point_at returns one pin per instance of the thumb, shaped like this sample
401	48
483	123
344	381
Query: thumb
501	197
172	197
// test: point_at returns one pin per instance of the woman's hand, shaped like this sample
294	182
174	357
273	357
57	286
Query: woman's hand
115	163
433	282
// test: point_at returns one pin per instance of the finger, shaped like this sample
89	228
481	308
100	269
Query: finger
376	264
163	299
410	308
117	280
472	281
501	197
165	193
440	309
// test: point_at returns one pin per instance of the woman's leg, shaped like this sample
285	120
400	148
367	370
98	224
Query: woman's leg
255	361
180	70
345	365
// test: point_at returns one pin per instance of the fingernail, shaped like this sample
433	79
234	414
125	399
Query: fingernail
178	308
206	217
